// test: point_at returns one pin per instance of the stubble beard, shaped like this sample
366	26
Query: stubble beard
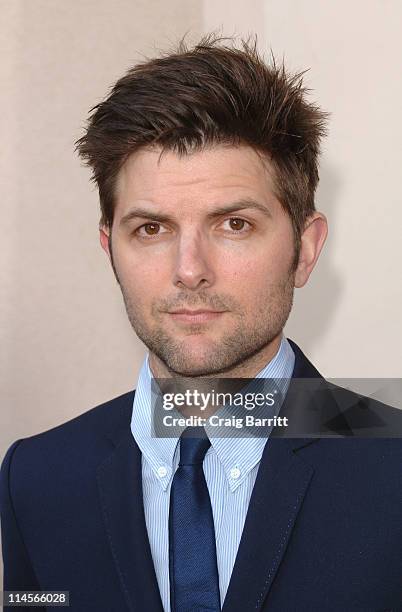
249	337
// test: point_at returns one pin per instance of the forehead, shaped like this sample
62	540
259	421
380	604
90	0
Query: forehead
215	174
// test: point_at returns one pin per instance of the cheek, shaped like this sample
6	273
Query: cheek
257	270
141	272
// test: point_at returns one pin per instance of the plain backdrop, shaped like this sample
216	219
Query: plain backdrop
66	344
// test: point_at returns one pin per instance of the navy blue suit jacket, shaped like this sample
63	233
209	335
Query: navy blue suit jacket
323	530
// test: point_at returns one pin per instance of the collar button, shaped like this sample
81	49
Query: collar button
162	471
235	473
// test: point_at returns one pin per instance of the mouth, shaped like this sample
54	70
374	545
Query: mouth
195	316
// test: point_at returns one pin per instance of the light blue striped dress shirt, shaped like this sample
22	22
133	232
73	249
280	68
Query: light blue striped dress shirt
230	468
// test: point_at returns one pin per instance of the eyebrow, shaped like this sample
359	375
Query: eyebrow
243	204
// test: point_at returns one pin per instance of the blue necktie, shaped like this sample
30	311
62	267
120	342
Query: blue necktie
193	570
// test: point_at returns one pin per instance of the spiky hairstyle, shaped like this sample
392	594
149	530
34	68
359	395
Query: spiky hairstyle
214	92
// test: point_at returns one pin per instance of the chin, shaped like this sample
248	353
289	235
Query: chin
199	370
194	362
190	365
195	354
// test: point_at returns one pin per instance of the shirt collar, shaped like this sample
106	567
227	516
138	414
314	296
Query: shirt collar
237	455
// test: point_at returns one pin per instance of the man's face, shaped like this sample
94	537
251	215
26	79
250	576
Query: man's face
203	232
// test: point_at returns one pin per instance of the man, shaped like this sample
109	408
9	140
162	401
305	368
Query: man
206	164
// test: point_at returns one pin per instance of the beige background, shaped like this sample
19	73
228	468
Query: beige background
65	342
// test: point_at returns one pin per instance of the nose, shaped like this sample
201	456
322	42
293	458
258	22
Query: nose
193	267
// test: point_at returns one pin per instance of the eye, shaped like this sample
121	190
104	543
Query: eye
238	225
148	230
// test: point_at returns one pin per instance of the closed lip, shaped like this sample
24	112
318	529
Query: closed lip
194	312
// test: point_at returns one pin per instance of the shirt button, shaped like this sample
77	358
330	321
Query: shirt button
235	473
162	471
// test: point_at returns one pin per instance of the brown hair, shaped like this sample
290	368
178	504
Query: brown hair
211	93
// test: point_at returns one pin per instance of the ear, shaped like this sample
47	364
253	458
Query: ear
104	233
312	240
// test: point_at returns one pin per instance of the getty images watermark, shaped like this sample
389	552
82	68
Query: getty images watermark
261	407
221	406
202	401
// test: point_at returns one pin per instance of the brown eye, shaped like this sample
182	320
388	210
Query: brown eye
151	228
236	224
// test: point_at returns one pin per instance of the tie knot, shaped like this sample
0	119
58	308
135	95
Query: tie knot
194	443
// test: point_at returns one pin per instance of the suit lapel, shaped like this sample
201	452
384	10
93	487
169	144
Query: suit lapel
278	494
282	482
120	493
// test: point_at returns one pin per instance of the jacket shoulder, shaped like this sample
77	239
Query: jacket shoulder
82	440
